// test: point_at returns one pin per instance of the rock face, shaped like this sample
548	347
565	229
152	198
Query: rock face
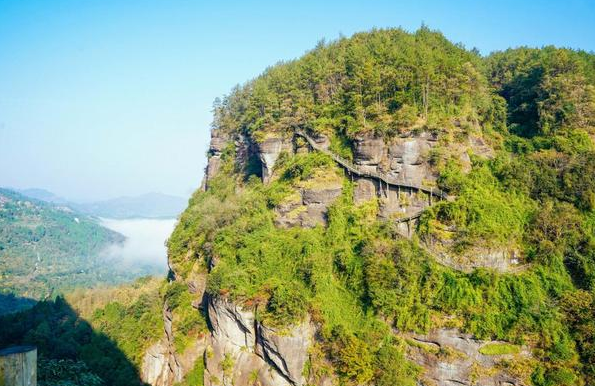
244	352
162	365
288	352
155	370
404	161
368	152
498	259
451	358
219	140
269	151
308	207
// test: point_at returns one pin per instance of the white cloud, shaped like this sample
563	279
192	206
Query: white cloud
145	240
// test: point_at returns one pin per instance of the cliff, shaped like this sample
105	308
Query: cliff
370	214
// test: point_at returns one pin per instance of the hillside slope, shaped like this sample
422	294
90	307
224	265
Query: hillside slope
48	247
392	209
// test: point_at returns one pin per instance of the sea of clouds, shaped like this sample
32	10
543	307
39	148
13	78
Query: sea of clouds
145	241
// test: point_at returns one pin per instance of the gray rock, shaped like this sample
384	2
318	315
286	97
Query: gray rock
155	369
288	351
407	160
323	196
269	151
452	357
310	210
364	190
368	150
232	324
242	352
322	141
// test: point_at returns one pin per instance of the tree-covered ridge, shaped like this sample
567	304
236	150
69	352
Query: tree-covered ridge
45	246
382	82
548	91
363	286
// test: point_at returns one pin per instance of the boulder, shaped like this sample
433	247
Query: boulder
323	196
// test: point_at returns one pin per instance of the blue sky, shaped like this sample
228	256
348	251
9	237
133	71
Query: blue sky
106	98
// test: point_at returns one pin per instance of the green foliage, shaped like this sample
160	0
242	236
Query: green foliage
188	323
302	166
195	377
105	348
548	90
341	145
134	327
499	349
65	372
484	212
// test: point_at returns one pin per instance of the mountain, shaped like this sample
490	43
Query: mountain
388	209
47	248
150	205
42	194
393	209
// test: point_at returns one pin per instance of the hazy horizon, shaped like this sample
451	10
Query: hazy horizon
103	99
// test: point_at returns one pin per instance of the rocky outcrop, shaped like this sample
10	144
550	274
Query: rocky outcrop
451	358
501	259
162	364
368	151
219	140
155	369
269	151
244	352
408	159
364	190
287	351
308	207
403	161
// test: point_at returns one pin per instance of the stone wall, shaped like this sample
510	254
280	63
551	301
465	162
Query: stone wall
18	366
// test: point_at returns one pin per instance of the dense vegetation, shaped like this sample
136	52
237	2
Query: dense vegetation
536	109
91	337
47	248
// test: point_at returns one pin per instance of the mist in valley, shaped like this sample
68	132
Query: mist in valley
144	244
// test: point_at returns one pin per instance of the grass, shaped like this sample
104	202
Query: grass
499	349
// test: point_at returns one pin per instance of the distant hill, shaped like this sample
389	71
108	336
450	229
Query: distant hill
46	247
150	205
43	195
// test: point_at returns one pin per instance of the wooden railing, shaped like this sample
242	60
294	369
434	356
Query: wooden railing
354	169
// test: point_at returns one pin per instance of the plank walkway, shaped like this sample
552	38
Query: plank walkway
354	169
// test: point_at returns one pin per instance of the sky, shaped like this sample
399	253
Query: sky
102	98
